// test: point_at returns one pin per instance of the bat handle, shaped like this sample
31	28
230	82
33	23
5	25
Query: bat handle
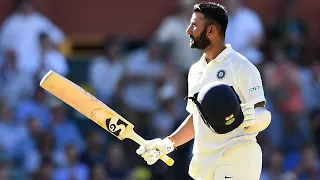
138	139
168	160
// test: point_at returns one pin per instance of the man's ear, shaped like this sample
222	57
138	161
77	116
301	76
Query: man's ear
211	30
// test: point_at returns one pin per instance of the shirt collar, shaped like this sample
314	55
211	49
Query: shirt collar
222	56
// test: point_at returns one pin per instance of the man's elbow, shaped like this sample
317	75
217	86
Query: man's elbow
263	118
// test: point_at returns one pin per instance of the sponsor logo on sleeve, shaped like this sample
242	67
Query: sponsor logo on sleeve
255	88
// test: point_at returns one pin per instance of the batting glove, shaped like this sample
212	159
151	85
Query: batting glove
154	149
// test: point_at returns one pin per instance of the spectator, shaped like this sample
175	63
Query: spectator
293	139
310	85
12	79
246	38
37	107
63	128
45	171
274	170
308	168
172	31
166	118
20	32
1	58
274	132
117	166
10	134
289	31
284	88
5	170
50	58
28	144
315	70
9	172
73	169
315	126
45	148
98	172
106	71
94	151
144	73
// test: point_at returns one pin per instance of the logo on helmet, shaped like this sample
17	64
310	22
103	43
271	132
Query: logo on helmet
221	74
230	119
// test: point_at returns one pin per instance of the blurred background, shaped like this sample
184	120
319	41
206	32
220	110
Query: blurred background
134	56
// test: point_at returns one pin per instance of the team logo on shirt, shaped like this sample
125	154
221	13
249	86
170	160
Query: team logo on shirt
221	74
230	119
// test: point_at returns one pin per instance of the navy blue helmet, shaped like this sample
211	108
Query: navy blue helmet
219	106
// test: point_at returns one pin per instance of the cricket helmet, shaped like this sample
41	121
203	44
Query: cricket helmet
219	106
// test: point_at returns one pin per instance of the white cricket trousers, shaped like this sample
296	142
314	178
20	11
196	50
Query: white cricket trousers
238	161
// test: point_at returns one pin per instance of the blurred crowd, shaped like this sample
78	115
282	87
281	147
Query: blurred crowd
42	138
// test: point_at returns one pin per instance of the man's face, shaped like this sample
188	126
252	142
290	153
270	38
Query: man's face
197	32
26	6
45	42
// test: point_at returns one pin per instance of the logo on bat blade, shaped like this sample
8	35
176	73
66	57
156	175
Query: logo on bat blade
116	126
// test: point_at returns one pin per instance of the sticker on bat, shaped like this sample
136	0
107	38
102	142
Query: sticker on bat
116	126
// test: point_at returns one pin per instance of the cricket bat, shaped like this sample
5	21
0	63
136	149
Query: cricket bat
92	108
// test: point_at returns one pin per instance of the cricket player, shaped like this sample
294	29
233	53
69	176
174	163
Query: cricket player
229	150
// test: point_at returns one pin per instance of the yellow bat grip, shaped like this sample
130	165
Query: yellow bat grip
168	160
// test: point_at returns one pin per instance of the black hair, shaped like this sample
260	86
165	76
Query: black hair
16	4
215	13
43	35
111	40
46	160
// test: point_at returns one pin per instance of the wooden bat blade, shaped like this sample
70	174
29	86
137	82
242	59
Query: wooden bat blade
92	108
86	104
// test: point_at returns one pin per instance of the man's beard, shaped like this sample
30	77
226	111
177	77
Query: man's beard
201	42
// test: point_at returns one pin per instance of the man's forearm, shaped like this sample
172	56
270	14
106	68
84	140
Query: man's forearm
184	133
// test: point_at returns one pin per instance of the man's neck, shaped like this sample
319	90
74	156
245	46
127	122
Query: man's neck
212	52
25	13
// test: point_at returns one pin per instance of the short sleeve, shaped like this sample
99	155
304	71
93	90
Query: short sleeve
55	33
190	105
250	84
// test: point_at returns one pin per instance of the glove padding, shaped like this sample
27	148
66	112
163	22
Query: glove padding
255	119
263	120
249	115
154	149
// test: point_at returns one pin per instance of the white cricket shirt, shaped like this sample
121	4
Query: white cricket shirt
235	70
